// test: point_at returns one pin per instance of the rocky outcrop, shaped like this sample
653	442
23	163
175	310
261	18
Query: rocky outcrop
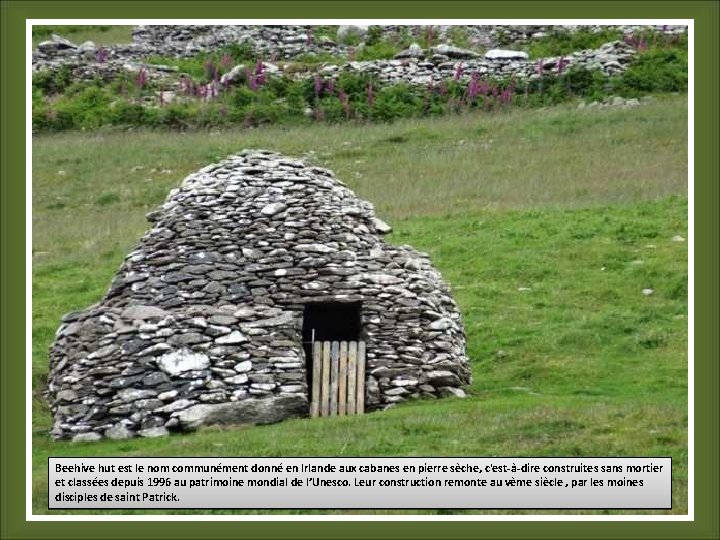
203	322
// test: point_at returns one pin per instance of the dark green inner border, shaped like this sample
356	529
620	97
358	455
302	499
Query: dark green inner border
706	15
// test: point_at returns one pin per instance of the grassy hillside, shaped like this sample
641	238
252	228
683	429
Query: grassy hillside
98	34
548	225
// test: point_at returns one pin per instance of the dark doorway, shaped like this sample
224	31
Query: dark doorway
330	321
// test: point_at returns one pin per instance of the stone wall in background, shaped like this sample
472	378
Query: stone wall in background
278	44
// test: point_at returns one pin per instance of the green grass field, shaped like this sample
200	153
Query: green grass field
548	224
100	35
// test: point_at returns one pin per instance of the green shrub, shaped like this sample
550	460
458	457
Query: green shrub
53	82
176	115
126	113
658	70
239	52
377	51
396	101
355	84
459	36
257	114
242	96
332	109
374	34
86	108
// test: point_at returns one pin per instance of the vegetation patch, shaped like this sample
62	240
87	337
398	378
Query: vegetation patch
264	98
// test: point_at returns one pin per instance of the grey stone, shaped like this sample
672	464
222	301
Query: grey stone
148	404
380	279
455	52
441	324
223	319
174	406
235	75
273	208
315	248
159	431
132	394
183	360
66	395
187	339
119	431
266	410
155	378
231	339
381	226
140	312
451	391
87	437
413	51
56	43
237	379
504	54
243	367
280	320
443	378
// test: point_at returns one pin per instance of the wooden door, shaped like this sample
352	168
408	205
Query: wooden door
338	381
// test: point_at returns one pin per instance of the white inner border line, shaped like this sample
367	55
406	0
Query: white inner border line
29	516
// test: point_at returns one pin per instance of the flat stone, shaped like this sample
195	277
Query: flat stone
451	391
455	52
119	431
87	437
404	382
380	279
381	226
66	395
140	312
231	339
244	313
187	339
151	433
148	404
280	320
223	319
182	360
236	379
243	367
504	54
443	378
273	208
315	248
155	378
177	405
440	324
265	410
132	394
104	352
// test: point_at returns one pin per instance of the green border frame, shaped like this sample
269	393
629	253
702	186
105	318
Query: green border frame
706	14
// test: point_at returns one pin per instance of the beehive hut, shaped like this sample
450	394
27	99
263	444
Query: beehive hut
251	267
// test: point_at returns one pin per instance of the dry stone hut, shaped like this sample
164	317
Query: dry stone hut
212	319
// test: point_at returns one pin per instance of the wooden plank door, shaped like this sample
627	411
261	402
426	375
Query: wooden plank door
338	386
